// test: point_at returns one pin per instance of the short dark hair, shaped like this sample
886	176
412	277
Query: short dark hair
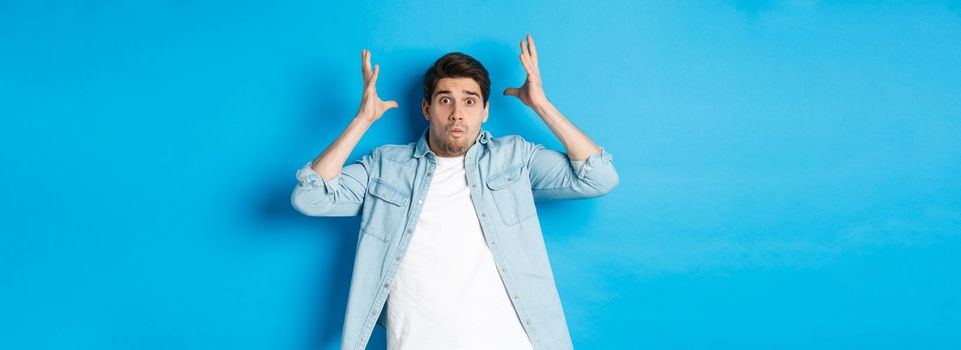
456	65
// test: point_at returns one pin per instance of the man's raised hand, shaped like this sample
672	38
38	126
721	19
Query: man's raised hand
371	106
532	92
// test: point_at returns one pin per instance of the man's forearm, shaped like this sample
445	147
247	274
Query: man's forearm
578	145
330	162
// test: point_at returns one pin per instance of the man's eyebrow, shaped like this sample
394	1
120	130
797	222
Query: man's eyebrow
468	92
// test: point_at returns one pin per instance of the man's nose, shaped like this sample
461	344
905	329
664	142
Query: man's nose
456	112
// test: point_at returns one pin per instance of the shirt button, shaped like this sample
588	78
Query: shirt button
428	173
528	322
386	285
397	258
483	214
492	242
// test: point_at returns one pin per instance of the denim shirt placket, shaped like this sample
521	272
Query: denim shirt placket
490	236
417	205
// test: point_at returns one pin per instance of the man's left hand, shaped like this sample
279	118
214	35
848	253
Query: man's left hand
532	92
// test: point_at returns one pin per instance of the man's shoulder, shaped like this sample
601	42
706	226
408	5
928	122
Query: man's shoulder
511	149
395	148
511	144
509	140
400	153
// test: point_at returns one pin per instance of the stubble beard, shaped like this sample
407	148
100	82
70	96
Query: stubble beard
455	147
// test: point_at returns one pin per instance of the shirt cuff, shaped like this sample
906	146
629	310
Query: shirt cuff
582	167
307	177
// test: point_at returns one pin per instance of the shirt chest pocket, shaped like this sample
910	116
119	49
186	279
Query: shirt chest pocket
385	209
511	190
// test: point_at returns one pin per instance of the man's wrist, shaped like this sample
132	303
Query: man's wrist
365	117
541	105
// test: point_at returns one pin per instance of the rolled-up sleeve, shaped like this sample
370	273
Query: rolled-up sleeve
555	176
307	177
342	195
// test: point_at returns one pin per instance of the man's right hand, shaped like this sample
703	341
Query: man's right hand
371	106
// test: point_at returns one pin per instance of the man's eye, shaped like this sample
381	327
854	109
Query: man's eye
470	101
444	100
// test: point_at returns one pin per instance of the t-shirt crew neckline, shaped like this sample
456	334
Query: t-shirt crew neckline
449	160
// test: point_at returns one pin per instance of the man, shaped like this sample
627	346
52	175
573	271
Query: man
450	244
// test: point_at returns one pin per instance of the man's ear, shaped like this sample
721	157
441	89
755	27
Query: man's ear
486	110
423	108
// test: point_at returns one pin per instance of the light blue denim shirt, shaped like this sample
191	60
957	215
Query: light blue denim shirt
505	174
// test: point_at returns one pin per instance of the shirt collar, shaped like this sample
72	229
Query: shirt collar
422	148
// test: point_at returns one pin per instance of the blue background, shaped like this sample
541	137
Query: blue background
789	170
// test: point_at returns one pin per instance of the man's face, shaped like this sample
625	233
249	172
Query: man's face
456	113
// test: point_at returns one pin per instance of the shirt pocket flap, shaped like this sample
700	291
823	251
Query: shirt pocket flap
390	194
505	178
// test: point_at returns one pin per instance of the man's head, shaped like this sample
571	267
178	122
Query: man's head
456	90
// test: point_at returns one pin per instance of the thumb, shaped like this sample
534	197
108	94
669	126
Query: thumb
511	91
390	104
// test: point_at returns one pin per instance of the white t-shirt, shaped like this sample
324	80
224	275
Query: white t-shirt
447	293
